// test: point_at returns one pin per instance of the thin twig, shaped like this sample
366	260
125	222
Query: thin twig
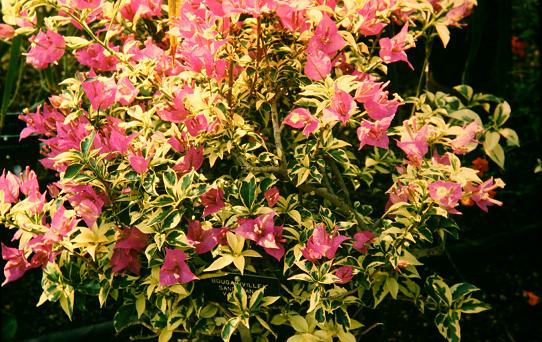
335	200
276	131
340	180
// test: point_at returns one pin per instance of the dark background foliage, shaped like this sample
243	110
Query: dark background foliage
500	252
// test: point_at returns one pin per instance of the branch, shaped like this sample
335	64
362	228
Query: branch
340	180
276	132
335	200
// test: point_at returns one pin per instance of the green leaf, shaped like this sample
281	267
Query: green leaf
439	291
124	316
465	115
248	191
299	323
165	335
379	289
491	139
140	304
443	33
460	290
229	328
501	113
314	300
219	263
10	82
342	318
265	325
67	297
392	287
87	142
465	90
497	155
73	170
510	135
448	326
473	305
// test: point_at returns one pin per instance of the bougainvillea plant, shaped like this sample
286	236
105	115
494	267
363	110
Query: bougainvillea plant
198	139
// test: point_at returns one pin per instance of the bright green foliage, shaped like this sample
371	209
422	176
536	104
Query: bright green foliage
216	139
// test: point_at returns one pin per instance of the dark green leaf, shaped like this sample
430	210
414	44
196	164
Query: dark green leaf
124	316
10	82
73	170
87	142
248	191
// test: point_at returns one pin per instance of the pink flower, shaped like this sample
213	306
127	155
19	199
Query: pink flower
392	49
370	24
9	186
42	250
61	225
460	10
174	270
263	231
126	92
375	100
46	48
16	265
196	125
94	57
86	4
344	273
29	182
446	194
302	118
400	193
86	201
374	133
292	18
6	31
138	163
438	159
42	122
176	112
318	65
326	38
380	107
101	92
322	244
213	200
146	9
117	141
483	194
415	146
127	250
342	107
466	139
132	238
361	239
272	196
192	160
125	259
204	240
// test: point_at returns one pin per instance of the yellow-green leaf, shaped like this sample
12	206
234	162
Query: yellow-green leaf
220	263
140	304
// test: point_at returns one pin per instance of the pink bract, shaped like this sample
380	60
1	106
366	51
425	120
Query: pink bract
204	240
321	244
174	270
47	47
446	194
213	200
361	239
16	265
392	49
